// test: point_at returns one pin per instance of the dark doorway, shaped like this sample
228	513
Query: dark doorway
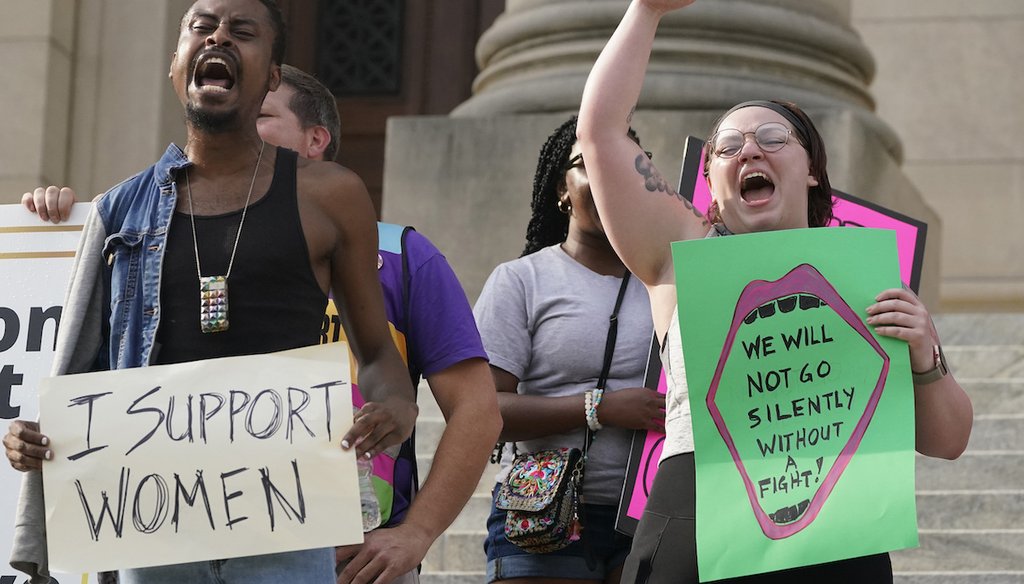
385	58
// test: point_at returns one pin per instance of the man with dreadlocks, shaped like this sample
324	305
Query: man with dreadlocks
543	319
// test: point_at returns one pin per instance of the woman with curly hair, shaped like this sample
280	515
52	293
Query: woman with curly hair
544	320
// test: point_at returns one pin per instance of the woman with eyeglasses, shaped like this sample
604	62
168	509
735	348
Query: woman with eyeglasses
544	321
766	169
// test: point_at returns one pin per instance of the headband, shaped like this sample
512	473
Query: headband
798	125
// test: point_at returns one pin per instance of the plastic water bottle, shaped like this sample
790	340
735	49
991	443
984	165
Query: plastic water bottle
367	495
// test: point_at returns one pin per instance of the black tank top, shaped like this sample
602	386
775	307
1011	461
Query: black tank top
274	300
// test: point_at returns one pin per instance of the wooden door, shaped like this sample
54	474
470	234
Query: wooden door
385	58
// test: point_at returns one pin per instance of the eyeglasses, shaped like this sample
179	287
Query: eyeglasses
770	137
577	161
574	162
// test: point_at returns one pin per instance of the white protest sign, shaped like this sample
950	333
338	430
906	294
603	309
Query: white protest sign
35	262
197	461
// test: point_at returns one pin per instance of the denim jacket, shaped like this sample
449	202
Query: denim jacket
136	215
111	311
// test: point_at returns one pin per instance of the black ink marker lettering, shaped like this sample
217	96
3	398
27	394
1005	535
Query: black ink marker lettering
159	505
269	489
204	417
88	400
233	410
293	412
96	524
160	415
327	400
228	497
199	487
170	414
275	419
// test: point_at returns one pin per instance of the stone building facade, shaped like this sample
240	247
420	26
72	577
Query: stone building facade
87	103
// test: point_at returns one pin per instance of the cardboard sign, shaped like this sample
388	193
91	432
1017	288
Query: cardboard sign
196	461
803	418
35	261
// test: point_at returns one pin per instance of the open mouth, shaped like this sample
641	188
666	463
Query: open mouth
793	423
756	187
214	72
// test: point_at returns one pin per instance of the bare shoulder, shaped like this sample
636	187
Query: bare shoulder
334	207
329	184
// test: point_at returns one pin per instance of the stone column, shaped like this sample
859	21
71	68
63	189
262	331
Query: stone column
710	56
125	111
534	62
36	59
88	103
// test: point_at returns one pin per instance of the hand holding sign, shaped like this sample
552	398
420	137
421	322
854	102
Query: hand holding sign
379	425
25	446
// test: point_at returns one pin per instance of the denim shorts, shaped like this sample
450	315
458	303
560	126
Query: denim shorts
608	549
307	566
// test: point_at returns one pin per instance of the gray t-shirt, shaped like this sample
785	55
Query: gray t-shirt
544	319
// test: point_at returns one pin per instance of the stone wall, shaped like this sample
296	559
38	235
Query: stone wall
87	103
948	80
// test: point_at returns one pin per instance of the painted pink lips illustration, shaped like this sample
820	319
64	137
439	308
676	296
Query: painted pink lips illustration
802	289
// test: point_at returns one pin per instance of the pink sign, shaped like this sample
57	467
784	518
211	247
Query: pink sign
644	456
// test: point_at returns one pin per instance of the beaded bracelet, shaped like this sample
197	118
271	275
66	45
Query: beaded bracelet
591	400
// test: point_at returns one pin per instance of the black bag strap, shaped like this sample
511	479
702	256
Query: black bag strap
609	352
407	304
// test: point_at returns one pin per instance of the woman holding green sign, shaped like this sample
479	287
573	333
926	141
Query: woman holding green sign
765	165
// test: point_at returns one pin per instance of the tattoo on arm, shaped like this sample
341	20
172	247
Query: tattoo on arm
656	183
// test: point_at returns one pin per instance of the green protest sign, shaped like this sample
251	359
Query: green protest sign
803	419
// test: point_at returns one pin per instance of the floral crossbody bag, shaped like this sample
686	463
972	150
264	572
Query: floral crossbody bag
542	493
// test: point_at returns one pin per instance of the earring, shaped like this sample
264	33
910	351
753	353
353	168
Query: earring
564	205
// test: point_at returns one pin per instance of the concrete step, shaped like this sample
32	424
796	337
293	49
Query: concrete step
428	434
474	515
974	470
970	510
425	400
997	432
935	577
457	551
970	362
995	396
990	550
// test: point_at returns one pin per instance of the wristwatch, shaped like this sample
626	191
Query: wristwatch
935	373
